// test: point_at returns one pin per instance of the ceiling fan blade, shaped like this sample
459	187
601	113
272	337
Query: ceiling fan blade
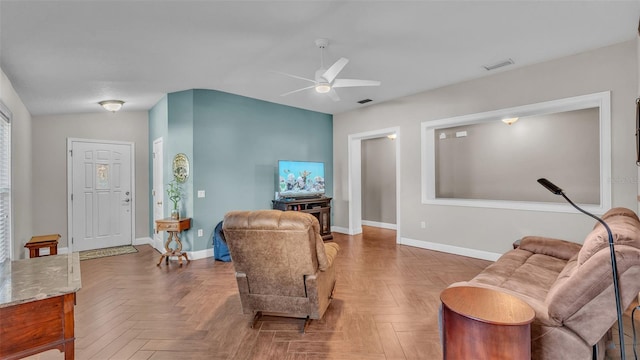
333	71
333	95
294	76
298	90
353	82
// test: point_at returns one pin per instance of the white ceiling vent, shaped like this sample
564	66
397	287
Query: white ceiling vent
498	65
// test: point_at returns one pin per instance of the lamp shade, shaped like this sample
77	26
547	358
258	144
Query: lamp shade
111	105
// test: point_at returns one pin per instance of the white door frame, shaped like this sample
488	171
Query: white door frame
157	161
70	142
355	177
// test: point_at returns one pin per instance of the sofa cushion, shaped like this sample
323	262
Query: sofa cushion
624	226
557	248
523	272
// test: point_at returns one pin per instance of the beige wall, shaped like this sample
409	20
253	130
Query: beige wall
379	180
611	68
21	194
50	135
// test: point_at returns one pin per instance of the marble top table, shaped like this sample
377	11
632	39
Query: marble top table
39	278
37	298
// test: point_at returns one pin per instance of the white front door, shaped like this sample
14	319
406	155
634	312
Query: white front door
101	194
157	192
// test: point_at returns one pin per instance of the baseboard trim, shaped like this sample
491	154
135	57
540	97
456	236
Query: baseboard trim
206	253
200	254
380	225
143	241
340	230
45	251
193	255
343	230
159	246
478	254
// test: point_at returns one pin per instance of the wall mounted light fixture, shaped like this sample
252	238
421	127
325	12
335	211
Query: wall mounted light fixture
111	105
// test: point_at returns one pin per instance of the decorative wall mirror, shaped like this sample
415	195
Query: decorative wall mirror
493	160
181	167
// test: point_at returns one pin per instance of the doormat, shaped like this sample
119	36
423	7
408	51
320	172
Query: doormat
112	251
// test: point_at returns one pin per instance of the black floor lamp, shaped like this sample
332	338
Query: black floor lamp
614	267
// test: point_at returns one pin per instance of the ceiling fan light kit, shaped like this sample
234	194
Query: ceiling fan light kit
325	80
323	88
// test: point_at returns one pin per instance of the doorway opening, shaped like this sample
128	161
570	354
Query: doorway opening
355	177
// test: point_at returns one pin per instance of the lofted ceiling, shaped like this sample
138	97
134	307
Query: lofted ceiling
65	56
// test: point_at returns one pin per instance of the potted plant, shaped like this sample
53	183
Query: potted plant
173	191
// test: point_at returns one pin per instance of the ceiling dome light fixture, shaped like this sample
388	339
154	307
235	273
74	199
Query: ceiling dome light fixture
510	121
323	87
111	105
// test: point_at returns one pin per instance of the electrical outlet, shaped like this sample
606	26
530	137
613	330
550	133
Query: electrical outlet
423	224
200	193
200	233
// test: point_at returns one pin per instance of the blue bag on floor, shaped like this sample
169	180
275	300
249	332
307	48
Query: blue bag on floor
220	249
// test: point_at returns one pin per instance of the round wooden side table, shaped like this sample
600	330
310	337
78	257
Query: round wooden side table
481	324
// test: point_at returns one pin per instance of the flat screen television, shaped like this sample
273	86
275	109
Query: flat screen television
297	179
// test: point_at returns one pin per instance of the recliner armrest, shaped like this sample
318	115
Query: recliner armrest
557	248
331	250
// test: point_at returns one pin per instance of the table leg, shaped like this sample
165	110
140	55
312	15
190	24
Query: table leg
173	236
69	350
178	250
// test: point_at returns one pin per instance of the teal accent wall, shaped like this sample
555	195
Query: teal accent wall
180	140
234	144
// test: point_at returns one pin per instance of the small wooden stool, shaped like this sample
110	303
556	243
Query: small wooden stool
38	242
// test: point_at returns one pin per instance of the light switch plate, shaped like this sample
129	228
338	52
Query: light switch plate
200	193
200	232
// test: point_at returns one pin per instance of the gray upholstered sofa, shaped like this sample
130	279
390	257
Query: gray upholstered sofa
282	264
570	286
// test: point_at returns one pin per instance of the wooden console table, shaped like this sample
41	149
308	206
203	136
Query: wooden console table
37	298
173	227
320	207
485	324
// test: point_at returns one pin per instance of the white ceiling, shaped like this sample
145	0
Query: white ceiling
65	56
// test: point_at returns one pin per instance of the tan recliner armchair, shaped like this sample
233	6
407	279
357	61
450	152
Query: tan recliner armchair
282	265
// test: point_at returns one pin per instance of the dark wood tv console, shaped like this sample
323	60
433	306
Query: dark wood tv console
320	207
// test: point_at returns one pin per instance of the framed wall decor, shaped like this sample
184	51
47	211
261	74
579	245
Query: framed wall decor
181	167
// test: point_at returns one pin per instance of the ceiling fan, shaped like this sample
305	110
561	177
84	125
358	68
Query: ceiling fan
325	79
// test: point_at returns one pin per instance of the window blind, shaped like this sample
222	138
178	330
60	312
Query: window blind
5	183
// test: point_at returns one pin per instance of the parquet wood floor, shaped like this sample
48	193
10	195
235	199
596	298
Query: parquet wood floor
385	307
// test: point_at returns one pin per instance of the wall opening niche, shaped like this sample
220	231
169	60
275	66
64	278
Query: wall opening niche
480	160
